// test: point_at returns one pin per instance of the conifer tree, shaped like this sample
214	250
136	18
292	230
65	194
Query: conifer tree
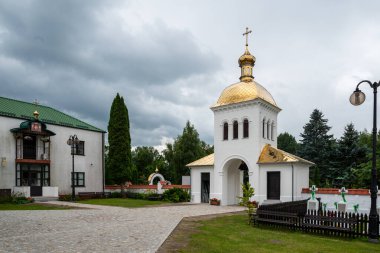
119	156
350	154
318	146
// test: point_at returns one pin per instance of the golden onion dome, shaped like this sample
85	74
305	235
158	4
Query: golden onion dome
242	92
247	58
247	89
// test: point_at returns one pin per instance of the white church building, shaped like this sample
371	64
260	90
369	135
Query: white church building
35	158
245	148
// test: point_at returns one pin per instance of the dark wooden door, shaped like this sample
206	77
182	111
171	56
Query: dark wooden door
31	175
205	187
273	185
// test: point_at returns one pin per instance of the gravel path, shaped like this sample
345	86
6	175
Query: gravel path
97	229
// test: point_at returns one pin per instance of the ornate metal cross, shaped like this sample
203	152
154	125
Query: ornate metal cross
247	31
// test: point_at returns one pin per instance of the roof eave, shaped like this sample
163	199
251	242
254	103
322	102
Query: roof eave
216	106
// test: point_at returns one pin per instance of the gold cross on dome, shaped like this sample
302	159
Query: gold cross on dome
247	31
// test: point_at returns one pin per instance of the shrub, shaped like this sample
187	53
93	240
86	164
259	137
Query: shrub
154	196
19	198
134	195
248	192
115	195
5	199
176	195
66	197
137	195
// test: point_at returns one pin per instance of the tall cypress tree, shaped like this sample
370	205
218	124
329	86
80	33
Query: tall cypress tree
119	157
318	146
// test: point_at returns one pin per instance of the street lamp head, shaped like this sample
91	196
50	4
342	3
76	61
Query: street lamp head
76	140
73	139
357	97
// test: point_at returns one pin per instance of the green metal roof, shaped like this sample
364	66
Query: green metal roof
23	110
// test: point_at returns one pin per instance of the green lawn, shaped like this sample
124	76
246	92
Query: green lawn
127	202
233	234
34	206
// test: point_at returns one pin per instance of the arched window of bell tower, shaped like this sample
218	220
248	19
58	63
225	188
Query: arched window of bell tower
225	131
272	131
245	128
263	128
235	130
268	130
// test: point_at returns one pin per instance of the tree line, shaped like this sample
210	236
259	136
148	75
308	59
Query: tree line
124	164
338	162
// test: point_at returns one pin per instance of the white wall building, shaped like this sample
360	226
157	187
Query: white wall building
245	148
35	156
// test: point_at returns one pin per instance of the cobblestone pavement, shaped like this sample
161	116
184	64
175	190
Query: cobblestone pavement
98	229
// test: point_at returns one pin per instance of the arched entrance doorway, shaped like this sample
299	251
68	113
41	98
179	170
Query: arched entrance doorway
235	173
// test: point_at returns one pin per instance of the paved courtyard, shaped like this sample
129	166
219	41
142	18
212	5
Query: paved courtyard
98	229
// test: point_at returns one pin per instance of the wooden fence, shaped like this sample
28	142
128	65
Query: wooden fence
330	223
299	207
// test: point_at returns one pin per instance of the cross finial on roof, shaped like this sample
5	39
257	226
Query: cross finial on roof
36	114
247	31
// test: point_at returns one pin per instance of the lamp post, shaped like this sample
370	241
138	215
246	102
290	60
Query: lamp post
357	98
72	141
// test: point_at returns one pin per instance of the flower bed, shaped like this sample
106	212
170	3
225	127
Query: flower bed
215	202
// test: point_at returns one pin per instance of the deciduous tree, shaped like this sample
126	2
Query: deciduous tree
287	142
185	149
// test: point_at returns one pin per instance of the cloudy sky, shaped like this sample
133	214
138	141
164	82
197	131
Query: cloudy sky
170	60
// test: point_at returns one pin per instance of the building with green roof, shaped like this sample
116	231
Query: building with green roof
36	158
22	110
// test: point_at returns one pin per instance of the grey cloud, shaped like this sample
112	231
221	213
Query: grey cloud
69	58
70	37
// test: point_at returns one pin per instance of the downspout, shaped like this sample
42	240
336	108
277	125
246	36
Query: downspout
103	172
292	182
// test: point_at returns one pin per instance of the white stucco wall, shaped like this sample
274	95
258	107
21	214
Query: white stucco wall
243	149
60	157
289	180
195	173
364	201
8	150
